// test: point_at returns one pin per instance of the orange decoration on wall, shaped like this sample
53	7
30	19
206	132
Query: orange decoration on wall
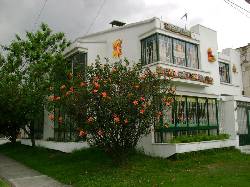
210	56
117	48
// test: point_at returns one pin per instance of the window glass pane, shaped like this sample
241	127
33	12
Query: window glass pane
181	112
224	72
202	112
165	49
149	50
212	112
79	61
179	52
168	117
192	111
192	55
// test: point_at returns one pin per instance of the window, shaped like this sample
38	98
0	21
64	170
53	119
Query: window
165	49
79	62
67	131
179	52
149	51
224	72
192	55
169	50
188	116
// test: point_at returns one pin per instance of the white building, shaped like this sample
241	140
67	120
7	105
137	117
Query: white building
209	84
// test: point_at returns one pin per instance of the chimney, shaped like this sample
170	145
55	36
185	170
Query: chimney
117	23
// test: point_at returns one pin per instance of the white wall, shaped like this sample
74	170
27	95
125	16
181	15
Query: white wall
48	131
230	125
235	87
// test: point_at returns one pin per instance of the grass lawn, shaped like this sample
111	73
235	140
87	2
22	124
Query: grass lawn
226	167
3	183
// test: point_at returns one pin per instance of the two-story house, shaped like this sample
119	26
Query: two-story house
209	84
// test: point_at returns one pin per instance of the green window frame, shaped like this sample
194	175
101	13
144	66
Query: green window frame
189	115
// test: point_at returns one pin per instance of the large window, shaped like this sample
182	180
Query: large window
224	72
192	55
188	116
66	130
149	51
179	52
79	62
163	48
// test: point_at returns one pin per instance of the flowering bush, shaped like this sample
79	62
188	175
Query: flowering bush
114	105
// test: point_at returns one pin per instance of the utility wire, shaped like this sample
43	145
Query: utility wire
40	13
94	20
239	6
233	5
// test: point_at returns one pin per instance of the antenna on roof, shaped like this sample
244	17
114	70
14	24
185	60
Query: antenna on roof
186	17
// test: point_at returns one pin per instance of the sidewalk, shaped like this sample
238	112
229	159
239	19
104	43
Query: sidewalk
22	176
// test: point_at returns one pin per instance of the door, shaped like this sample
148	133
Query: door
244	139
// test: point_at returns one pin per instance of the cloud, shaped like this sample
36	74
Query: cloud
75	16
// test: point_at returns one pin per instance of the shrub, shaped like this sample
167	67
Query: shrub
114	104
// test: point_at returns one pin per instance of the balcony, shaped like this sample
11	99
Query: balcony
183	75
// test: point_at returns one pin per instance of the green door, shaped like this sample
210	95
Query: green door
244	139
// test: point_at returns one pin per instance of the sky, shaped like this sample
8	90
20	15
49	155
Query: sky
75	17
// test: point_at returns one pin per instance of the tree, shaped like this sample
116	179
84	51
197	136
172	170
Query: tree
114	105
35	59
12	107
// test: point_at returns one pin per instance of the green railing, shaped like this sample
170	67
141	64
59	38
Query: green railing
188	116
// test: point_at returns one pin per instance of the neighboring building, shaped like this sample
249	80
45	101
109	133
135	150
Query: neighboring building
209	84
245	65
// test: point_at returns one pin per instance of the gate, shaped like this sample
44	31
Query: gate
243	115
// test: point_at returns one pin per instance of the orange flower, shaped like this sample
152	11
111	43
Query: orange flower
97	85
56	98
168	103
90	120
51	98
51	117
82	133
71	89
95	91
143	99
159	114
104	94
63	87
68	93
100	133
142	111
60	120
82	84
116	119
135	102
126	121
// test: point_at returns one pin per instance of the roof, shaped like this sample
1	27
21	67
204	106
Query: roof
119	28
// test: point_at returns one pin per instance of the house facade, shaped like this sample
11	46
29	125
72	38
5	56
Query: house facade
209	84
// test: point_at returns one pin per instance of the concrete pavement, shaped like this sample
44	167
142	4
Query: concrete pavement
22	176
